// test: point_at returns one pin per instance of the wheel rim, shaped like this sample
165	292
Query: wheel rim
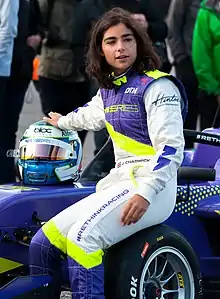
167	275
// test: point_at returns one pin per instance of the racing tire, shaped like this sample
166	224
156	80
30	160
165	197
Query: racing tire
157	262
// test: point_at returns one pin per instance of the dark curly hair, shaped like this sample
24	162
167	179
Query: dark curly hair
98	68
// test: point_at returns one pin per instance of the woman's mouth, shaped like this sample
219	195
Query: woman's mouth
122	57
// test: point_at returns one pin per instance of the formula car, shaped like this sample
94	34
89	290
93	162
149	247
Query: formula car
179	259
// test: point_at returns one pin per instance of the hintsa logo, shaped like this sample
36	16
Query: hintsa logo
163	160
166	100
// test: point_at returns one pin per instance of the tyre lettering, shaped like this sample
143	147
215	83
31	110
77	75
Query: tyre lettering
199	278
159	238
180	278
133	288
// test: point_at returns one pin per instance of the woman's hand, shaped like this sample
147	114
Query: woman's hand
134	209
53	118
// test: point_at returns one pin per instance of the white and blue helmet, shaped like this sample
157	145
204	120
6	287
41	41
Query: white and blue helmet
48	155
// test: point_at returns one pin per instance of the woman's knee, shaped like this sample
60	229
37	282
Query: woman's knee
39	241
78	237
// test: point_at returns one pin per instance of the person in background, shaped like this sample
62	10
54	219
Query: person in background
181	21
8	32
63	87
25	46
206	61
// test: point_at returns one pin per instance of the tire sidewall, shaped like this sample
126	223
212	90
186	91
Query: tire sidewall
130	269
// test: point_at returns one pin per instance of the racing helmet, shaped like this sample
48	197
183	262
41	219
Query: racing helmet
48	155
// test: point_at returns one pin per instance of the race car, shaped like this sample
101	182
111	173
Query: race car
179	259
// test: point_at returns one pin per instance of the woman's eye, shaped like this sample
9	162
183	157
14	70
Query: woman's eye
112	42
128	40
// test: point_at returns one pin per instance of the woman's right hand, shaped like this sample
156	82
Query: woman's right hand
53	118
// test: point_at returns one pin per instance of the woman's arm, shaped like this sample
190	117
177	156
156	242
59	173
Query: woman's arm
90	117
165	126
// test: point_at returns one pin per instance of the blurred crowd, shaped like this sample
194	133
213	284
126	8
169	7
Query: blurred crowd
45	41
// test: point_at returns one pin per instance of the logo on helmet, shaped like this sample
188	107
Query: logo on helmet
42	130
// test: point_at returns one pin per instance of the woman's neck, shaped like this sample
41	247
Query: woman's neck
118	75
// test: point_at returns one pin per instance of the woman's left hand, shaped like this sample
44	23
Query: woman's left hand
134	209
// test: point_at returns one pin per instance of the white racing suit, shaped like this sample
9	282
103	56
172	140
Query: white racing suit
147	160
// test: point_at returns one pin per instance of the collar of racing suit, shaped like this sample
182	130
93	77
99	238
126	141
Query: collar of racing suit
123	78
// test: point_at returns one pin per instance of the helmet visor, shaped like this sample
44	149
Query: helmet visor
39	151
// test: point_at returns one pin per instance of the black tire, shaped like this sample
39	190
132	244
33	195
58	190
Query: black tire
125	261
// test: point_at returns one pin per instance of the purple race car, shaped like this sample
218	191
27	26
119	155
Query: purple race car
179	259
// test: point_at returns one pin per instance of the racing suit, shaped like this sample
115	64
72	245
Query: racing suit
144	117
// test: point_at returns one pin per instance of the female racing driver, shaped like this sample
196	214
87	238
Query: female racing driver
143	110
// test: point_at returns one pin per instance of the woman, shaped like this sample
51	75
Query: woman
142	109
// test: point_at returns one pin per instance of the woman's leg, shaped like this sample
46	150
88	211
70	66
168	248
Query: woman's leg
101	228
45	259
96	226
84	284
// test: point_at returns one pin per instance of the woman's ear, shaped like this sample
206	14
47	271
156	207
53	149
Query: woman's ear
101	52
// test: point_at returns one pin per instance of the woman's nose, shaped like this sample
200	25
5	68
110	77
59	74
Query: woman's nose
120	46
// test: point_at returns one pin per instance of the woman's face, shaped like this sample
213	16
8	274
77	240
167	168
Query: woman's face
119	48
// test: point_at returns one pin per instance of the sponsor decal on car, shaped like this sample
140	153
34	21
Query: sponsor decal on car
208	138
18	188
